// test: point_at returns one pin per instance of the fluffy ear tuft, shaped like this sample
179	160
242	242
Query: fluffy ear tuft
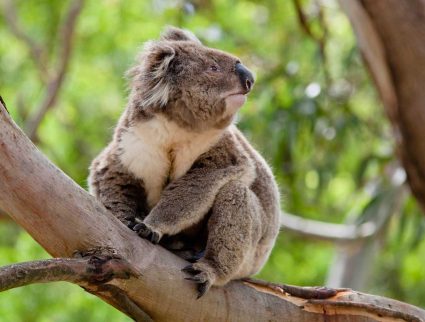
176	34
151	73
157	57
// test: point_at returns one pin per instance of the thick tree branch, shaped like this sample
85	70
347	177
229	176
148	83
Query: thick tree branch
92	270
4	216
95	270
119	299
391	37
63	218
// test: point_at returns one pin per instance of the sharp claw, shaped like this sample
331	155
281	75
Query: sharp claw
145	232
154	238
137	220
199	277
139	226
190	270
142	234
196	279
202	289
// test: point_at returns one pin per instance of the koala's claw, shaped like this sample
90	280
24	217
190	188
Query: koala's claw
131	224
199	277
196	278
155	238
190	270
130	221
203	288
147	233
196	257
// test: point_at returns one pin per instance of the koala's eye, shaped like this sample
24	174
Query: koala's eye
213	68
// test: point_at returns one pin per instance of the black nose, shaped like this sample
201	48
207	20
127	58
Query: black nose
245	76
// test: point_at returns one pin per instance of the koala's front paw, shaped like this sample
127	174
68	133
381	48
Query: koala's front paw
131	221
202	274
147	232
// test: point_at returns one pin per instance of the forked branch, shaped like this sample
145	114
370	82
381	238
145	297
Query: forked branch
63	218
95	270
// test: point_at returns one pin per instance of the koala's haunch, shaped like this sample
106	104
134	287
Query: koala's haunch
180	173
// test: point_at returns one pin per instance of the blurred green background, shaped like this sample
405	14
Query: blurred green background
313	114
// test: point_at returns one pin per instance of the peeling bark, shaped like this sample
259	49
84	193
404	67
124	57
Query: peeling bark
92	270
95	270
65	219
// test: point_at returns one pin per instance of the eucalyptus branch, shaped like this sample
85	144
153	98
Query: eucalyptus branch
320	40
56	81
32	191
36	50
95	270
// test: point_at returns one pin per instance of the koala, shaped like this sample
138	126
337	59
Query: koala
179	172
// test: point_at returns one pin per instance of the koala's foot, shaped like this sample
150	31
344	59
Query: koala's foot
202	274
189	255
195	256
148	233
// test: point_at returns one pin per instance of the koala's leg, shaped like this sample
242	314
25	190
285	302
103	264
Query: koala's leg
119	192
234	229
185	202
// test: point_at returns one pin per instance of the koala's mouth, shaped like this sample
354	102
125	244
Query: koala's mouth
235	101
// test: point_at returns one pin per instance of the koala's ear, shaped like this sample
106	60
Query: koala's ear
151	73
176	34
157	56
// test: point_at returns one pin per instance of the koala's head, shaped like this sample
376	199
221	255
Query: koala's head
196	86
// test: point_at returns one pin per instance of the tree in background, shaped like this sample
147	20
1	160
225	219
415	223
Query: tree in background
316	105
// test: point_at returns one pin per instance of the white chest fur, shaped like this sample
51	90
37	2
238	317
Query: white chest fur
158	150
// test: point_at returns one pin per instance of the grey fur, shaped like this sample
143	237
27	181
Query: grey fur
226	202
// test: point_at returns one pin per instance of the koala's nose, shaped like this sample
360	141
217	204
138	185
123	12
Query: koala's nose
245	76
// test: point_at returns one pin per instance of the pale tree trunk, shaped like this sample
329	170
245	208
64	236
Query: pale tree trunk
65	219
391	37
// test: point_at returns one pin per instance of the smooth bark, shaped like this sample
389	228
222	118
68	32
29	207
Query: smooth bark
65	219
391	37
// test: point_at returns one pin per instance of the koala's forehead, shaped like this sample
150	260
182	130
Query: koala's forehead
198	53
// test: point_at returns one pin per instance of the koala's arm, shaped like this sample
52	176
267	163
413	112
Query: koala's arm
187	200
119	192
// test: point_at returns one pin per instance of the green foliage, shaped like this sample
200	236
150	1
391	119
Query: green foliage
317	121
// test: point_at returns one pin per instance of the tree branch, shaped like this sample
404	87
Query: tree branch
345	233
390	37
37	52
92	270
320	40
95	270
337	233
63	218
119	299
4	216
55	83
